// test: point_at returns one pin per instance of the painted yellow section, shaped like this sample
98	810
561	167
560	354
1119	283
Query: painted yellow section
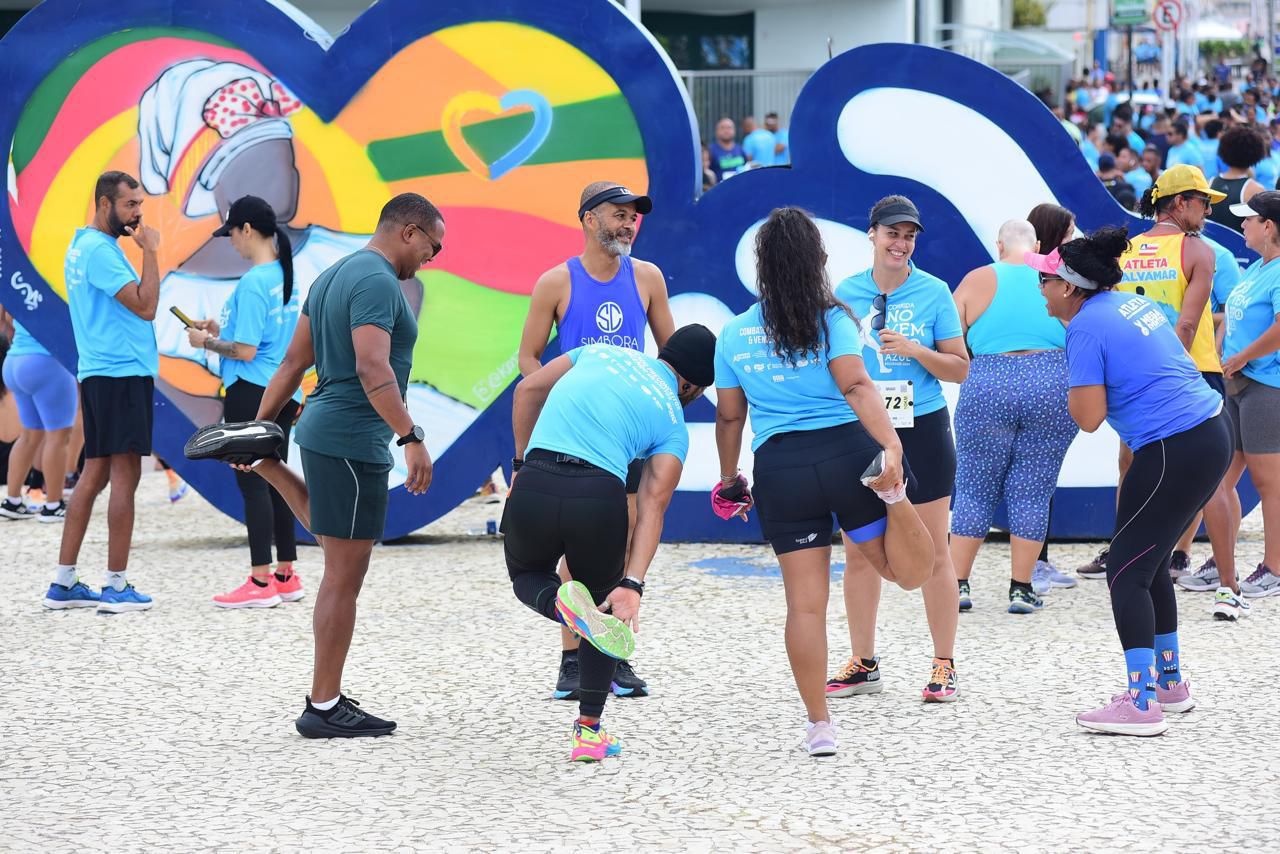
68	200
358	192
520	57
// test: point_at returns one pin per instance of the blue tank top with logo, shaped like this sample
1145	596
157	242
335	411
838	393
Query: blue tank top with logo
602	312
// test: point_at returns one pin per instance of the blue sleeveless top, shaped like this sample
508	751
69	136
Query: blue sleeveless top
1017	318
24	343
602	312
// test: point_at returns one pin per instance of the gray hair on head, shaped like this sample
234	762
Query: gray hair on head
1017	236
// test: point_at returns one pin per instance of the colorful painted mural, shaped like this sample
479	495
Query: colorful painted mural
500	111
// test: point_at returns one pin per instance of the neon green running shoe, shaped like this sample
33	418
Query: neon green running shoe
605	632
591	744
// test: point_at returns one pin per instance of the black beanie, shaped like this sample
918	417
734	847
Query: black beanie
691	350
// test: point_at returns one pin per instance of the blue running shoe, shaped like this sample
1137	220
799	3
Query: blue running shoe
118	601
78	595
1041	583
1058	578
1023	601
966	599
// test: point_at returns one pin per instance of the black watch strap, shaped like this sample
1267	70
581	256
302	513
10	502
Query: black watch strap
632	584
516	463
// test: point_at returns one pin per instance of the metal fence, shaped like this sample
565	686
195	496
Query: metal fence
742	93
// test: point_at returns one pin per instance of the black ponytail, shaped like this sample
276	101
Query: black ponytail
286	261
1146	206
1096	257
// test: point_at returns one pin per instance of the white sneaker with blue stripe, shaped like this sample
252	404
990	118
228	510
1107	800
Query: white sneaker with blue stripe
78	595
115	601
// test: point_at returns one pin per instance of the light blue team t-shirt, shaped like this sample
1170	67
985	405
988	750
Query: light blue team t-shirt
782	397
112	341
255	314
759	144
921	309
1226	273
1139	179
1185	154
1250	311
1017	318
1124	342
24	343
782	136
613	406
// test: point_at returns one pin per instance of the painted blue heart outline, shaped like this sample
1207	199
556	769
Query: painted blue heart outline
525	148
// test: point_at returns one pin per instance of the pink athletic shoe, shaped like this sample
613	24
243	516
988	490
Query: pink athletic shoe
1176	699
249	595
291	590
1122	717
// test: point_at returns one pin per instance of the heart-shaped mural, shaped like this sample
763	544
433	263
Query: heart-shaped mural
500	111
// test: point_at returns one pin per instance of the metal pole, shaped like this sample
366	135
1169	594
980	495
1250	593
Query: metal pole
633	9
1271	31
1128	46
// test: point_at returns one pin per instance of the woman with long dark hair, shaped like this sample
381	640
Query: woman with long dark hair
912	342
823	446
251	338
1129	368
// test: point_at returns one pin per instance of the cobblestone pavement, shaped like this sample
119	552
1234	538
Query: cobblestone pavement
172	730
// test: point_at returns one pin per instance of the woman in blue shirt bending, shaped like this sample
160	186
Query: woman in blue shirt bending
251	338
1128	367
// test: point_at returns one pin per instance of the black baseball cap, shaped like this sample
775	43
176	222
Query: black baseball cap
896	213
1265	204
619	195
249	210
691	350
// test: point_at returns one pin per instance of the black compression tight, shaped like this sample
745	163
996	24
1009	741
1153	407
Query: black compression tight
1167	485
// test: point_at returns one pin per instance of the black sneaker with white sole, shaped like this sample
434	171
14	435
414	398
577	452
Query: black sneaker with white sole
344	720
238	442
15	510
52	514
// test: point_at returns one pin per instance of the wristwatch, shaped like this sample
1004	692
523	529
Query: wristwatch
632	583
414	435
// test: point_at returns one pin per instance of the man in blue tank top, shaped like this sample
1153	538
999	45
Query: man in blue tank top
603	296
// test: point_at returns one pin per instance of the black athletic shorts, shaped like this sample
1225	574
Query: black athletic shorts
633	476
118	415
558	509
930	448
1216	382
804	477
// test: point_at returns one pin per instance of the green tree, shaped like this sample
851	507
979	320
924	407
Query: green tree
1028	13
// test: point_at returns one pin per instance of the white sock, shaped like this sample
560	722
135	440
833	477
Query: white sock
115	580
13	499
326	705
65	575
53	505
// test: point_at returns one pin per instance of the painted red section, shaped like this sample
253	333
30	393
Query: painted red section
503	250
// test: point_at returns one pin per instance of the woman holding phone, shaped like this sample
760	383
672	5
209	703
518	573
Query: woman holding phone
251	338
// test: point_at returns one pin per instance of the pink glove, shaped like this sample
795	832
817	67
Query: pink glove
734	499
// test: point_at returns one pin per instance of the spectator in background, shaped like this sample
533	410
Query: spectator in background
1254	113
757	142
1114	180
1152	158
1122	125
1181	150
1222	71
1090	146
1240	149
709	177
1210	134
1129	162
727	157
1186	105
781	139
1268	168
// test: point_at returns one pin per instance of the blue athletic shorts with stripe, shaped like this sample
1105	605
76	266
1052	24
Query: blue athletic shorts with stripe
44	391
803	478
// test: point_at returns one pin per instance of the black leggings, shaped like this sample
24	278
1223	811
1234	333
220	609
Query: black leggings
1167	485
264	510
578	512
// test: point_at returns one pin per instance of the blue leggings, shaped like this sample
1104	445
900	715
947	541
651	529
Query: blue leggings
1012	433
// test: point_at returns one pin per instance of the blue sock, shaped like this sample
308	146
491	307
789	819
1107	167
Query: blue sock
1141	664
1167	653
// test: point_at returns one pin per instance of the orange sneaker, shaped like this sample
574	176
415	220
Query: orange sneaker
250	595
291	590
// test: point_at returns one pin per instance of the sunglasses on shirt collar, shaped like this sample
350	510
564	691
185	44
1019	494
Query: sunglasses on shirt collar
878	305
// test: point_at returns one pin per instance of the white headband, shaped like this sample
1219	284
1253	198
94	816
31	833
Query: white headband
1069	275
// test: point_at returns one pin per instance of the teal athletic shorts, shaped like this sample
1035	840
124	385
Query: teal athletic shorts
348	498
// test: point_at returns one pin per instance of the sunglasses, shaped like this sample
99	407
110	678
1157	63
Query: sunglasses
1046	278
436	248
878	305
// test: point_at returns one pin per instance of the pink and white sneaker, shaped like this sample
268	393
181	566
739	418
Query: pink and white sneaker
1176	699
1122	717
249	595
291	590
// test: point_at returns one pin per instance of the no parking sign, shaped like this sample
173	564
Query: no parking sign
1168	15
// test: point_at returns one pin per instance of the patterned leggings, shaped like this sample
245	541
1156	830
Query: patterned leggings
1012	433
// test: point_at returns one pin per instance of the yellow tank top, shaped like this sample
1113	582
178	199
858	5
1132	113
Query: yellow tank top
1153	268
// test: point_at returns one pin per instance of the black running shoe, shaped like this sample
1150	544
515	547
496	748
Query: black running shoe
345	720
240	442
626	683
567	683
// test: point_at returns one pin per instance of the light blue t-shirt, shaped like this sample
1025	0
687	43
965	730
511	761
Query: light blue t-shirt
1209	158
112	341
782	136
759	144
255	314
1250	311
921	309
1124	342
1186	153
614	405
782	397
1226	274
1136	142
1267	170
24	343
1139	179
1017	318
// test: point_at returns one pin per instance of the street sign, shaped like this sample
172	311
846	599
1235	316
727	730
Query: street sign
1130	13
1168	15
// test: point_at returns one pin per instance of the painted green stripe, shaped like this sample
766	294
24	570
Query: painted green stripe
598	129
41	110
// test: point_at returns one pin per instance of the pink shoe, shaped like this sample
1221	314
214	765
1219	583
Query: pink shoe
1176	699
249	595
291	590
1122	717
